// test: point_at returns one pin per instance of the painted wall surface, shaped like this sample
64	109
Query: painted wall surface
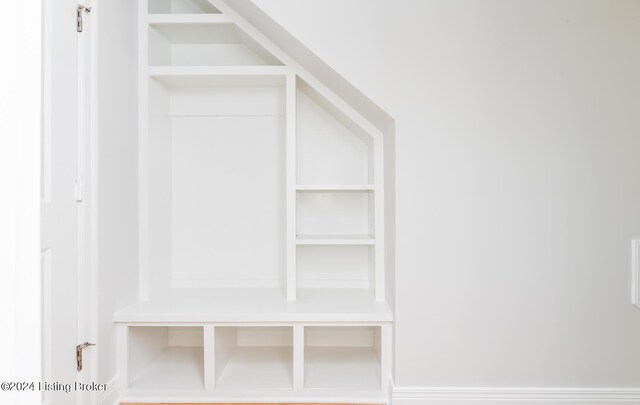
517	141
117	170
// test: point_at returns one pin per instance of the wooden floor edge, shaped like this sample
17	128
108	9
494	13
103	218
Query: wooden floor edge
243	403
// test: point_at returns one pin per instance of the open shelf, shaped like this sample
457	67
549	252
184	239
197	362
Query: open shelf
335	240
181	7
334	188
254	358
215	76
335	213
204	44
342	358
161	19
166	358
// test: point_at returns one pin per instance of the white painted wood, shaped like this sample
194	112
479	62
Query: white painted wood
324	264
378	216
635	272
61	241
180	6
320	135
166	358
263	368
259	305
334	188
340	336
333	214
219	76
291	179
175	368
349	368
186	44
223	126
122	342
209	358
335	240
227	101
185	336
298	357
143	154
158	179
514	395
218	230
160	19
254	358
384	346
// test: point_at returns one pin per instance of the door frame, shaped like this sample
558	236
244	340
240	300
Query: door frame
87	287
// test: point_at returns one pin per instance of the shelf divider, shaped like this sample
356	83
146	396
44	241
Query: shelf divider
334	188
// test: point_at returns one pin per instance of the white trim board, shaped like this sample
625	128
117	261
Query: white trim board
635	272
513	395
110	396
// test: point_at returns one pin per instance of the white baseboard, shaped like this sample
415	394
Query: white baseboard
507	396
110	396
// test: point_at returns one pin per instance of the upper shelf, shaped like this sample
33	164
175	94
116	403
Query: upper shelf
181	7
193	41
162	19
259	305
211	76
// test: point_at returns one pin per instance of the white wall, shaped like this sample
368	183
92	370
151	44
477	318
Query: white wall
117	170
517	136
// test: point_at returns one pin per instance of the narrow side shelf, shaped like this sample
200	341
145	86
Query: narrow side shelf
160	19
335	240
334	188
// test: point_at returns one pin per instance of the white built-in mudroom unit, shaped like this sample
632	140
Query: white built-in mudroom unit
261	211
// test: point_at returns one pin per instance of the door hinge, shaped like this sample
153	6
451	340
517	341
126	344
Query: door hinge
79	10
79	350
79	190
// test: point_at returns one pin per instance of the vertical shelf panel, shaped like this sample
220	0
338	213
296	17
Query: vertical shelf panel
291	185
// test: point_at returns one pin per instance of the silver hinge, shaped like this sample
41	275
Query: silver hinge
79	350
79	22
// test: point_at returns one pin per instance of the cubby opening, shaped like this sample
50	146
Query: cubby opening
342	357
335	214
181	7
166	358
216	185
254	358
332	150
217	44
335	266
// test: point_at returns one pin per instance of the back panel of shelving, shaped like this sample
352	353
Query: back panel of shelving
217	173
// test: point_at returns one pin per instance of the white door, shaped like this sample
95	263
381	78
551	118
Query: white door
62	213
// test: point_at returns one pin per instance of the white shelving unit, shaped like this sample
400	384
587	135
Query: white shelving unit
261	234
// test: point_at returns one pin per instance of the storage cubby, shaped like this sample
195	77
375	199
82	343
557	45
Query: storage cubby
215	44
342	357
166	358
335	214
335	266
181	7
330	150
254	358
